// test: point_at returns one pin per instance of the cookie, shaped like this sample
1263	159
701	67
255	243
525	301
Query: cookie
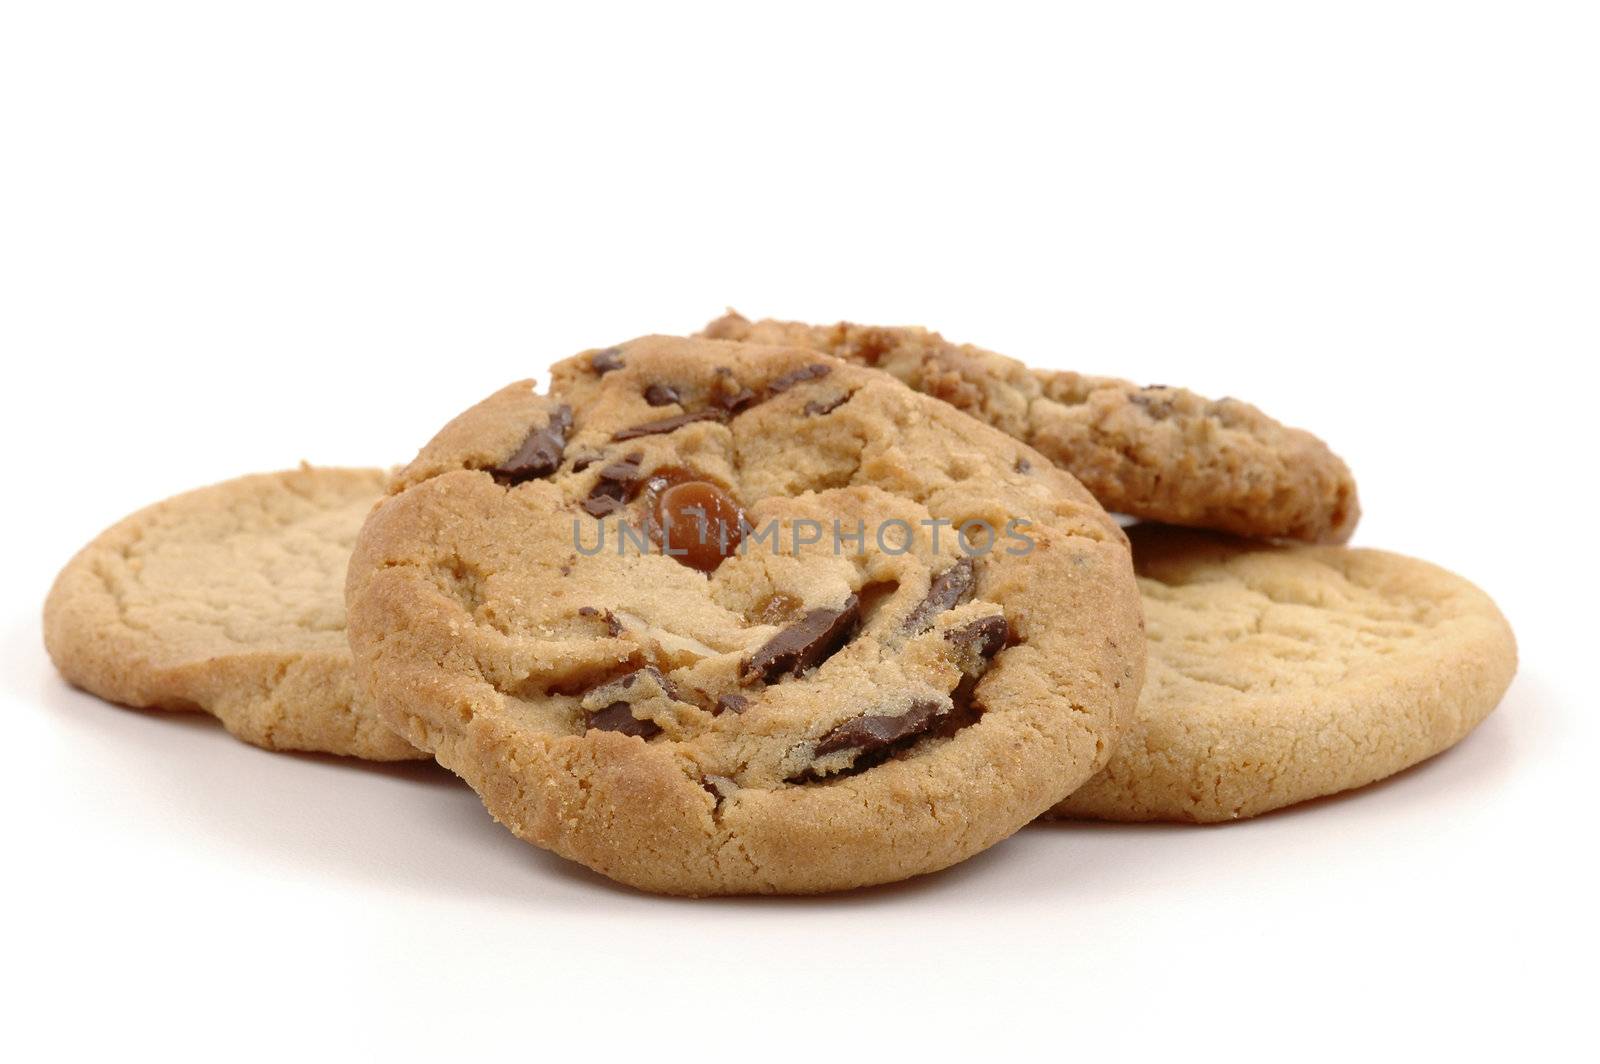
229	599
689	620
1159	453
1280	674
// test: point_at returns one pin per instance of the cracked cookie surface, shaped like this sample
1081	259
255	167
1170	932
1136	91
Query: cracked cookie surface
769	707
1158	453
1281	674
228	599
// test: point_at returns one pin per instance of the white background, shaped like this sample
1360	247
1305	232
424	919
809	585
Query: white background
234	236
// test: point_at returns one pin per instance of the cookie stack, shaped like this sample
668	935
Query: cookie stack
782	609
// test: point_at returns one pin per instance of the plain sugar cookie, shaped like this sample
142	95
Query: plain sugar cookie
228	599
1280	674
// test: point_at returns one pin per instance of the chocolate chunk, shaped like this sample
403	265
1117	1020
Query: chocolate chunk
584	461
876	738
603	362
798	376
666	424
872	733
1024	466
806	643
618	483
618	717
734	704
985	637
540	453
949	589
661	395
818	407
663	477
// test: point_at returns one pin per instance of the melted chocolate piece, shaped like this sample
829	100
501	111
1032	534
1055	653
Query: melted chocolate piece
666	424
618	483
603	362
798	376
663	477
947	590
804	644
734	704
540	453
986	636
873	733
661	395
618	717
776	608
818	407
700	525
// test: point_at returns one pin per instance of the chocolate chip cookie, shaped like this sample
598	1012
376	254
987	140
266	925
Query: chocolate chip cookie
1160	453
229	599
1280	674
721	618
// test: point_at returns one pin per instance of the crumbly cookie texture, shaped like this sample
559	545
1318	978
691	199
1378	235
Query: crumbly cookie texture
764	716
228	599
1280	674
1159	453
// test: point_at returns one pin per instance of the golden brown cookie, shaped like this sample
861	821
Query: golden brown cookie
1159	453
1280	674
228	599
803	688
